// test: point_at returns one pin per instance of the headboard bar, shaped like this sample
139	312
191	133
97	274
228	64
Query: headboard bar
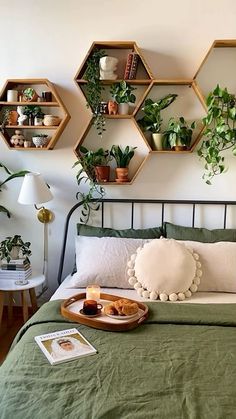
131	201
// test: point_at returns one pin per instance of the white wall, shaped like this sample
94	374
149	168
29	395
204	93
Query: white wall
50	39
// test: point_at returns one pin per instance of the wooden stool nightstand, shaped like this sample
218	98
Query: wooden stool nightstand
8	288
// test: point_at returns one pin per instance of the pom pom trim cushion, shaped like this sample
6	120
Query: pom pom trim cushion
164	269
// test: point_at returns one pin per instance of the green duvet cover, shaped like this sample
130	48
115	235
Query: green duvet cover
181	363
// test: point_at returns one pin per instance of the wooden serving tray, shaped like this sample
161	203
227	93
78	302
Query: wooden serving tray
70	309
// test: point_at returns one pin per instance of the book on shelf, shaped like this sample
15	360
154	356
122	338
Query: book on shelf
134	67
21	261
8	274
128	66
14	267
64	346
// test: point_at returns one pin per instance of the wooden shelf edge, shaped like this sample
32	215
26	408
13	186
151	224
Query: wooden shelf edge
5	103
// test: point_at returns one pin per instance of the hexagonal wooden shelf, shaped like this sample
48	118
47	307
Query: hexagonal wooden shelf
120	50
124	125
28	131
217	67
187	93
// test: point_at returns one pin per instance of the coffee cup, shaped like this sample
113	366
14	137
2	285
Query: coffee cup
91	307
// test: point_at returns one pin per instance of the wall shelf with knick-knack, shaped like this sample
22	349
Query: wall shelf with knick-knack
31	106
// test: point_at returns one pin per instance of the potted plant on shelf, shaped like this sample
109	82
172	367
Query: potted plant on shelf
220	131
95	163
122	158
40	140
94	89
13	248
152	120
178	135
122	94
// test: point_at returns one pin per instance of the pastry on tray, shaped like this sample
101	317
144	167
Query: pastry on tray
121	307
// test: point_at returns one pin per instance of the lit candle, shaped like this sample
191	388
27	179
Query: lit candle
93	292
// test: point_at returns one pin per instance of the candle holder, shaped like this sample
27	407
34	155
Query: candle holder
93	292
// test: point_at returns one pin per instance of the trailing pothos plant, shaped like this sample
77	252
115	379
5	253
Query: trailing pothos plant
94	89
7	245
86	174
11	175
219	132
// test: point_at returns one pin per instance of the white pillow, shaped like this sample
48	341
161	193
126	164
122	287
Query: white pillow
103	261
218	265
164	269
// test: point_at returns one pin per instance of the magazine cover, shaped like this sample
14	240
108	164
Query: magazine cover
64	346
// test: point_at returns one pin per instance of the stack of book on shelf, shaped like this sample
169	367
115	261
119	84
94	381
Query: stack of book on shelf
131	66
16	269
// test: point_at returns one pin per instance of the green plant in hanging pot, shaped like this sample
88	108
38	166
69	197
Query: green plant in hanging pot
152	121
122	158
178	135
219	132
94	89
13	248
122	94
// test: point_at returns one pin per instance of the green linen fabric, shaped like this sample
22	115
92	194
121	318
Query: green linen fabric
181	363
177	232
146	233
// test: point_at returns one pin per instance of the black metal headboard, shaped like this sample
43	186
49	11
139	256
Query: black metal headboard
132	202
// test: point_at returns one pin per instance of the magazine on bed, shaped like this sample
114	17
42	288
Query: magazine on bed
64	346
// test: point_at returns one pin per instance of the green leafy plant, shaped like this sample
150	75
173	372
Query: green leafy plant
29	93
94	89
4	115
11	176
122	156
33	110
178	134
41	135
88	160
219	132
152	120
122	92
7	245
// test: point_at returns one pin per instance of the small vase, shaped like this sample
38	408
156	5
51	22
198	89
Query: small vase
122	174
123	108
102	173
157	141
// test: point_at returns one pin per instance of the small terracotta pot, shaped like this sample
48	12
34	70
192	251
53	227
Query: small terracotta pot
122	174
180	147
102	173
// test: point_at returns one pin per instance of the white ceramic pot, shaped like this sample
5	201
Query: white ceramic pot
12	95
123	108
39	141
157	141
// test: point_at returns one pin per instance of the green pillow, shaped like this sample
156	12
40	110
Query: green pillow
173	231
130	233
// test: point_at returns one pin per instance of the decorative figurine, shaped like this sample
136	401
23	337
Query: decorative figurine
112	107
108	66
22	118
17	139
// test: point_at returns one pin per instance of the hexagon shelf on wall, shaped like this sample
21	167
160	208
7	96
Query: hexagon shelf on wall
120	50
123	134
189	103
218	67
53	106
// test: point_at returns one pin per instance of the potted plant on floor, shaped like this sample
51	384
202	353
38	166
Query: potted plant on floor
122	158
152	120
122	94
178	135
13	248
219	133
94	89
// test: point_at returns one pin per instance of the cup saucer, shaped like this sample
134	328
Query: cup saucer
91	315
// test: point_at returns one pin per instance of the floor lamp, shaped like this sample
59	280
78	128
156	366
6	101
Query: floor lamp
35	191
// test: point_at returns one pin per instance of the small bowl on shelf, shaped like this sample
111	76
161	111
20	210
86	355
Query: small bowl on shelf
40	141
51	120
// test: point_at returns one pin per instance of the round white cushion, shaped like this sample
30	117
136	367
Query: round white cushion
165	269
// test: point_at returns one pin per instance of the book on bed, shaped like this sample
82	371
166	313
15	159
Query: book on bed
64	346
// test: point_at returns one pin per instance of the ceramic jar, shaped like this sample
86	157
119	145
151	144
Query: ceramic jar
51	120
12	95
40	141
17	139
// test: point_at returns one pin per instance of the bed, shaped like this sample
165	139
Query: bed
180	363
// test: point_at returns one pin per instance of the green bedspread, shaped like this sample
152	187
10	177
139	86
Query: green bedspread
181	363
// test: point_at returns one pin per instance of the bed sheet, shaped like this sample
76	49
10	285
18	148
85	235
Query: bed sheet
65	291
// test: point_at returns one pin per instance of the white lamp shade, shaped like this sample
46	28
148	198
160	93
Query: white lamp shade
34	190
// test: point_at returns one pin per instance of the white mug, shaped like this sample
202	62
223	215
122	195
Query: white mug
12	95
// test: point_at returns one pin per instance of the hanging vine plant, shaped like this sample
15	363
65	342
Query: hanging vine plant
11	176
219	133
94	89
